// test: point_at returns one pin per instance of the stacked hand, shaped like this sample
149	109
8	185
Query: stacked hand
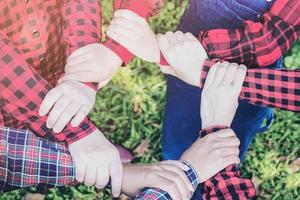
212	153
134	33
68	101
96	160
220	94
185	55
168	176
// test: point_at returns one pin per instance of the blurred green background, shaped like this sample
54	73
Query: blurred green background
130	110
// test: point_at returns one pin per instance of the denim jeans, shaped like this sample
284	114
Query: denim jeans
182	121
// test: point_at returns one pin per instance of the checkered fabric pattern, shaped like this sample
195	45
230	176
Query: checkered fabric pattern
158	194
278	88
227	184
257	44
30	161
35	40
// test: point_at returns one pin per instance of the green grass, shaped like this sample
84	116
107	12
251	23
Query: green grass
130	110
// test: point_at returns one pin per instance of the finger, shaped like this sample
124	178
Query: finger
228	142
179	183
48	102
82	76
163	44
167	70
228	151
79	171
230	160
180	37
120	38
174	168
239	78
57	111
191	37
66	117
230	74
220	73
121	33
225	133
171	38
102	176
130	15
116	174
168	186
79	117
210	77
131	25
90	174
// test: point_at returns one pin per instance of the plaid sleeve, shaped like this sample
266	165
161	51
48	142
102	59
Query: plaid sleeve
158	194
30	161
277	88
227	184
144	8
257	44
83	25
22	91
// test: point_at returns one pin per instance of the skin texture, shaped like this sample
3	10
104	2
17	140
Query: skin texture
96	159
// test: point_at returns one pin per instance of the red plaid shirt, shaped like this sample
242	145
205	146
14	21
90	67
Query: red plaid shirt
257	44
35	40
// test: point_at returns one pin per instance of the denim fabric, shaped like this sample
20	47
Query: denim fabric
182	121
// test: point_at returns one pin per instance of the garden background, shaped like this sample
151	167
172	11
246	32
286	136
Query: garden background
130	110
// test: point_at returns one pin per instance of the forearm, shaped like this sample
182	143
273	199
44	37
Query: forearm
257	44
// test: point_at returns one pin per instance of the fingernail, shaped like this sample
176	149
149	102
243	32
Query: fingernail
243	67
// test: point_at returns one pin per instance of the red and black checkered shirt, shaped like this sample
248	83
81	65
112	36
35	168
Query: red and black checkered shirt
257	44
35	40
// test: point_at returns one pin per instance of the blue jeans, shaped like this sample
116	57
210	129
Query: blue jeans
182	121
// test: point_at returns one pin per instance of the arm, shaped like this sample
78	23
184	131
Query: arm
145	9
22	90
257	44
267	87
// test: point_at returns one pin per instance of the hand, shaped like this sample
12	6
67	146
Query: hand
220	94
212	153
68	101
133	32
168	176
92	63
184	54
96	159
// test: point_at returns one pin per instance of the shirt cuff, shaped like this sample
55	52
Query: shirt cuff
191	174
125	55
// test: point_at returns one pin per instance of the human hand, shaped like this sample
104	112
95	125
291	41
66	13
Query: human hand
184	54
167	175
220	94
134	33
92	63
68	101
96	159
212	153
